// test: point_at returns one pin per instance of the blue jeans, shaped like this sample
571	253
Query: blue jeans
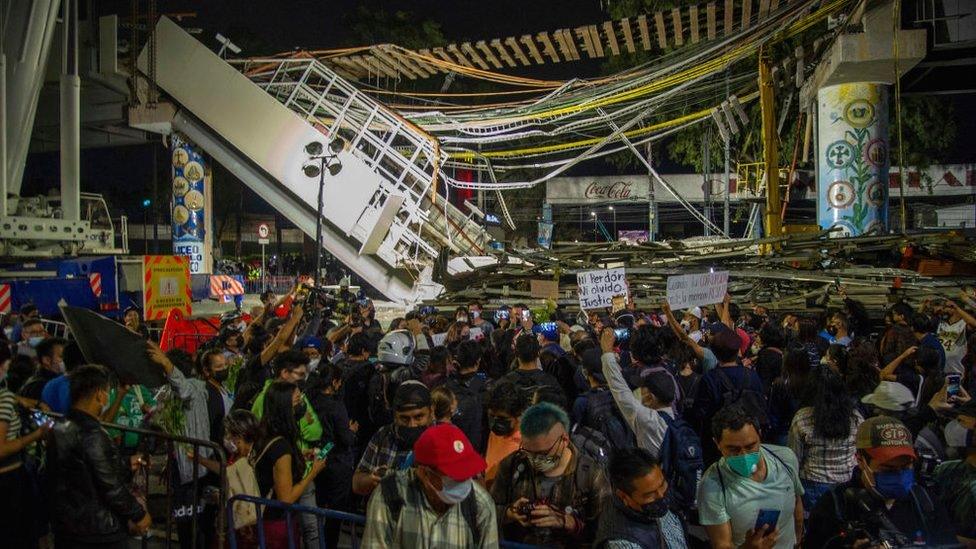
812	492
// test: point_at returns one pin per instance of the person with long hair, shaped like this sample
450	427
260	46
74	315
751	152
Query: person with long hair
861	375
334	486
788	391
281	470
822	435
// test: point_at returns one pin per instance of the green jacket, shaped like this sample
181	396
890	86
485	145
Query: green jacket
309	426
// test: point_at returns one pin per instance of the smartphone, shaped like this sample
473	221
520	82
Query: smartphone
952	385
526	314
622	334
40	418
767	516
324	451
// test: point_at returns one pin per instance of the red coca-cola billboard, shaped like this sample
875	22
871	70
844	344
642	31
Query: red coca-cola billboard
617	190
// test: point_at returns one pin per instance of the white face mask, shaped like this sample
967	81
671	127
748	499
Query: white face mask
957	435
686	326
230	446
313	364
454	492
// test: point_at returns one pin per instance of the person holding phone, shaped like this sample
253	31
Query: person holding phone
281	468
752	496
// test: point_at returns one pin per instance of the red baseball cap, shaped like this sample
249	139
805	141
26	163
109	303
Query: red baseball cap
445	448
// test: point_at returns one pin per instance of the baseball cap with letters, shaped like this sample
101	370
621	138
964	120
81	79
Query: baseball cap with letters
884	438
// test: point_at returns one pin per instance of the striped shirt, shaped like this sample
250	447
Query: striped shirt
9	416
830	461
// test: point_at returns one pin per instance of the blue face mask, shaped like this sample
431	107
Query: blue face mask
35	341
743	465
894	484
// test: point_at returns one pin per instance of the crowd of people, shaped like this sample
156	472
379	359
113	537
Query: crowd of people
640	428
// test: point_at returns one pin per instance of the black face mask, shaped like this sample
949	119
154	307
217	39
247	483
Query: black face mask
220	376
300	410
407	436
501	426
832	330
655	509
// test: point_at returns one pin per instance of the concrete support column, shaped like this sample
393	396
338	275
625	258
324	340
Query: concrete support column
192	205
852	158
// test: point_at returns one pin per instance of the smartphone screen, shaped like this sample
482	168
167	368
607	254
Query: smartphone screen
40	418
526	314
952	384
767	516
324	451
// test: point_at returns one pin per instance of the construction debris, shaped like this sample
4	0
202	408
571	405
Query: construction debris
802	275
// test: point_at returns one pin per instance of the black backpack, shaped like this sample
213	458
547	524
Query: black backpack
750	398
681	461
603	415
394	502
380	390
591	442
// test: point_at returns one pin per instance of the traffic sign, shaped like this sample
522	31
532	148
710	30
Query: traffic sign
263	231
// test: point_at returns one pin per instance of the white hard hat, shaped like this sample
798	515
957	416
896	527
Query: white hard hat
396	347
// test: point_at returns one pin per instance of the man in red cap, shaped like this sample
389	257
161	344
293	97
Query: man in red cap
435	503
882	502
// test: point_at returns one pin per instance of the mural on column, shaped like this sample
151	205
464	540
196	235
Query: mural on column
192	205
852	158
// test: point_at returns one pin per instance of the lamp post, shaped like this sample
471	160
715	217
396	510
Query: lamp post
318	162
614	222
146	202
593	215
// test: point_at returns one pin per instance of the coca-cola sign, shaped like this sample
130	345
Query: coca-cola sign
596	190
618	190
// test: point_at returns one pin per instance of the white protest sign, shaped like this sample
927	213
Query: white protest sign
597	288
695	290
438	339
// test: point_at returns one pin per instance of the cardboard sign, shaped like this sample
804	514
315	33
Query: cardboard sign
544	289
166	285
618	303
695	290
598	288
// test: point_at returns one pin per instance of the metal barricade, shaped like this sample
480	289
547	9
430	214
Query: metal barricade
321	515
55	328
171	442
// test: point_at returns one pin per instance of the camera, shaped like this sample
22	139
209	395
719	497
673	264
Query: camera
525	509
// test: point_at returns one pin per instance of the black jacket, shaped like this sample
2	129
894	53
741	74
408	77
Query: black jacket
88	490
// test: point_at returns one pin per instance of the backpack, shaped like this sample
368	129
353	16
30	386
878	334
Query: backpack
242	480
750	398
380	390
603	415
681	461
394	502
591	442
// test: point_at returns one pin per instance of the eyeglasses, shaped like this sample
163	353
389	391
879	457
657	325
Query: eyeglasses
543	454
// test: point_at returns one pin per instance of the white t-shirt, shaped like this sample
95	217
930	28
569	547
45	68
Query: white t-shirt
724	496
953	338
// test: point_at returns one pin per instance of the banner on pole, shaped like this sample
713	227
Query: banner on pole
695	290
598	288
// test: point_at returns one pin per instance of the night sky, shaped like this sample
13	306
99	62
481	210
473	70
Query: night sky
270	27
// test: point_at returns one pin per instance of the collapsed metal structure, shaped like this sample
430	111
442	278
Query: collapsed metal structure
801	277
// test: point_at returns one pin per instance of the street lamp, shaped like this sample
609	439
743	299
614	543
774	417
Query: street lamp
614	222
318	162
145	224
593	215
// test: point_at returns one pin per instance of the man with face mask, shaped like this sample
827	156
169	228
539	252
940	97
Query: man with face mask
435	503
549	492
882	502
391	447
750	481
31	335
956	479
505	405
50	364
87	479
312	347
639	514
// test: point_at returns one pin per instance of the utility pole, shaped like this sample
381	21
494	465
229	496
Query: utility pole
651	203
706	186
728	180
773	223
